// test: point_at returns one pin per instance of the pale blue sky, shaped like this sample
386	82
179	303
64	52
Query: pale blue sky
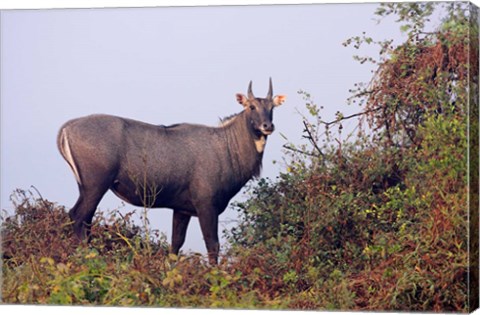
164	66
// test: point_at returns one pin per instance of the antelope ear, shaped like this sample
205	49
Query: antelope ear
241	99
279	99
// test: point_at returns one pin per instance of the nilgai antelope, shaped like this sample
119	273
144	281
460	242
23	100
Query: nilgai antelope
193	169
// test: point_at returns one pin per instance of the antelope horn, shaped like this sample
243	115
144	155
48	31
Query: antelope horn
250	93
270	90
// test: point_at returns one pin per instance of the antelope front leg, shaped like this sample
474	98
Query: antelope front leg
179	230
209	227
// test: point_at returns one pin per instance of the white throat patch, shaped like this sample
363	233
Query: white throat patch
260	144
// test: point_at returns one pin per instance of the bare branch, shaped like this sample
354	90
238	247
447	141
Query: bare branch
351	116
285	146
311	139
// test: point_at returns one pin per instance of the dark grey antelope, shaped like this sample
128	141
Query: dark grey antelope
193	169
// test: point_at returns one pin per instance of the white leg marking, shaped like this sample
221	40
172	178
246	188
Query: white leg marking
68	155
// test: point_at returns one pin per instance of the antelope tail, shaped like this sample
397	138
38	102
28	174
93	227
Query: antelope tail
64	147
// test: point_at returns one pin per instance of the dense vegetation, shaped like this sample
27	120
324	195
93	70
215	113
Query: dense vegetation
375	220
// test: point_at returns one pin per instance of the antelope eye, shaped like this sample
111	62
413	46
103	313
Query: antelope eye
252	107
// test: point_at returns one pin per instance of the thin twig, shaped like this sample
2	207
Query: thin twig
363	93
351	116
285	146
45	204
312	140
